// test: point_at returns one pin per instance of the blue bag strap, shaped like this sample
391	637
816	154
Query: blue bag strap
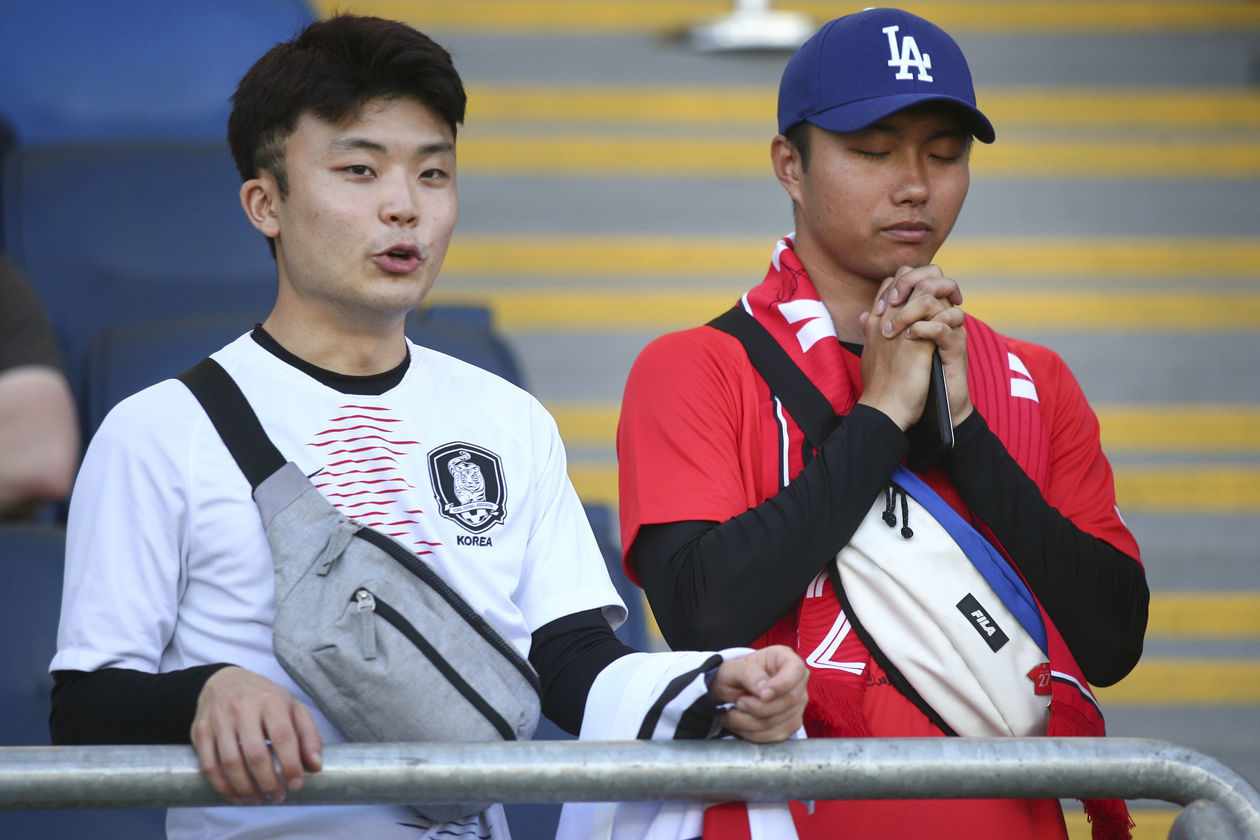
991	565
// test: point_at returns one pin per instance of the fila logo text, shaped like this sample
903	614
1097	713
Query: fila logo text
983	622
907	56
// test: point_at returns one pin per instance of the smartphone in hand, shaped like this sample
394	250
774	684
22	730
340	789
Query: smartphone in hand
933	434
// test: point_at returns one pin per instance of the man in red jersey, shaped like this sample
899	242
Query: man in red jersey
730	518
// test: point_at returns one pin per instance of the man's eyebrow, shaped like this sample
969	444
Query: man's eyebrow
363	144
441	147
356	143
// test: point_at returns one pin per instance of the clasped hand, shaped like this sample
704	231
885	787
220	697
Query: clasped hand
914	313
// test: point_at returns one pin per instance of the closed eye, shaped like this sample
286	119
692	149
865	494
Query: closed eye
950	148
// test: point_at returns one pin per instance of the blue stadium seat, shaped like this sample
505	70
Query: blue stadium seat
158	232
466	332
167	241
31	558
127	357
118	193
30	574
142	73
83	71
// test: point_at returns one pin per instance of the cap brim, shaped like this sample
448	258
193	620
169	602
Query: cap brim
853	116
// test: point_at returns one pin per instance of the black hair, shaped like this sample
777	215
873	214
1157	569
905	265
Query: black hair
798	135
332	69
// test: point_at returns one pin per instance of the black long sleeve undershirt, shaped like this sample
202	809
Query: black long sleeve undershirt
714	585
123	706
568	655
717	584
1096	594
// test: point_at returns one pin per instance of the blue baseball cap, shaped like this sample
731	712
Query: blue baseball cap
862	67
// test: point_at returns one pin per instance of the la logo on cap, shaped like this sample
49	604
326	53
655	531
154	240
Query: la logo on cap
860	68
908	56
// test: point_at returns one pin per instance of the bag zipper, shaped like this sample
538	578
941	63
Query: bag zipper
432	579
367	603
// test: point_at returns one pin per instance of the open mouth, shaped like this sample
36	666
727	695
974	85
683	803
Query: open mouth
401	259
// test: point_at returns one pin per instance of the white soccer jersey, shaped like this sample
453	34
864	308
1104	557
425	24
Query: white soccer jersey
167	564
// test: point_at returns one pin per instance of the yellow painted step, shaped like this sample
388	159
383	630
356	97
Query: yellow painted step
622	155
744	259
546	310
586	423
754	107
1204	615
1180	428
978	16
1208	490
1186	682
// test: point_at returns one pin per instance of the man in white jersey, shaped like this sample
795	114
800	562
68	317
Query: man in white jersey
345	141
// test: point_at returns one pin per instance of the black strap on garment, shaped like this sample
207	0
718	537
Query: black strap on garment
234	420
817	419
807	405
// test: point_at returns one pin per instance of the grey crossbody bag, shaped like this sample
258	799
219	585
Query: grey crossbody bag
384	646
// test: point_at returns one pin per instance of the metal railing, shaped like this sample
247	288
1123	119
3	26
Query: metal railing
560	771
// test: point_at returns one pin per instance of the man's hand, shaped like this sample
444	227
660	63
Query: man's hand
894	367
907	282
238	714
768	689
895	372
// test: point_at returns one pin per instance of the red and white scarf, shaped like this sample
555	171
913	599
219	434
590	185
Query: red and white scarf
788	306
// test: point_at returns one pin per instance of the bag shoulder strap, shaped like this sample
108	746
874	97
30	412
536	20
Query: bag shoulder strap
234	420
809	408
813	413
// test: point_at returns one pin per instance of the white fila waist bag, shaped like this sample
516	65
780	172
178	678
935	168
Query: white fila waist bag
951	623
385	647
932	597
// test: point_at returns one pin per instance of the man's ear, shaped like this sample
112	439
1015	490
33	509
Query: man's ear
259	198
786	160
